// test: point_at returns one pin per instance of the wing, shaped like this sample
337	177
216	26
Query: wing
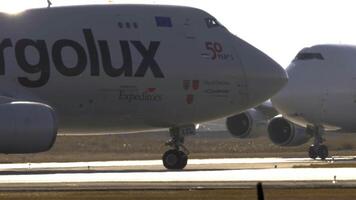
267	109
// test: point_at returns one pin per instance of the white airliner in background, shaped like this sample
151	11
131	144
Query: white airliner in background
123	68
320	96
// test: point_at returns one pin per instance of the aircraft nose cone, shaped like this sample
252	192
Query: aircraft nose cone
264	76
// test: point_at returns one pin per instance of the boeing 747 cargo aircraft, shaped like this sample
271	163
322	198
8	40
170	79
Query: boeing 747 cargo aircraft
123	68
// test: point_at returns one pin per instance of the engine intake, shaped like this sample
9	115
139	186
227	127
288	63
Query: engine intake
249	124
26	127
284	133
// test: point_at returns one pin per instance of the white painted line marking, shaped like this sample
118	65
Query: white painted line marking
55	165
302	174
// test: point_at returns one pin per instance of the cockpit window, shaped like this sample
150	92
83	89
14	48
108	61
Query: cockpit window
212	22
309	56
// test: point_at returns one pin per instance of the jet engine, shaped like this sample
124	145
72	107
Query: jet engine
26	127
284	133
249	124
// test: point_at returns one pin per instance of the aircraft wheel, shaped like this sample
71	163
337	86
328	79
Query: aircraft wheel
183	160
174	159
313	152
323	152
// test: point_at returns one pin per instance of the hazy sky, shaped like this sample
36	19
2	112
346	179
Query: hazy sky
280	28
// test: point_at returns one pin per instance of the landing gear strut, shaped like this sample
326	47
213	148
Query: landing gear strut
317	149
177	157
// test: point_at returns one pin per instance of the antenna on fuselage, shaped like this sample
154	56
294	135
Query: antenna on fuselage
49	3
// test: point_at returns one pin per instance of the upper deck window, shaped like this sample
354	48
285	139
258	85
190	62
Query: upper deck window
309	56
212	22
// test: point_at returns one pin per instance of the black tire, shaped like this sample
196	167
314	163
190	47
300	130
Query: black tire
171	159
313	152
323	152
183	160
174	159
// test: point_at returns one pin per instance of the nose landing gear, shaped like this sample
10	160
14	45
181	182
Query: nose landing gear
317	149
177	157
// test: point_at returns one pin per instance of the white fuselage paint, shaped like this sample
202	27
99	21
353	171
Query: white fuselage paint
321	91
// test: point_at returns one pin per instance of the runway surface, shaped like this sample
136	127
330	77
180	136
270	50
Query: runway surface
212	173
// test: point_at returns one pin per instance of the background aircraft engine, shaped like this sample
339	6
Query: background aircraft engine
249	124
284	133
26	127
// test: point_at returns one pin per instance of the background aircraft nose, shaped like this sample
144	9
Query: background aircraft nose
264	76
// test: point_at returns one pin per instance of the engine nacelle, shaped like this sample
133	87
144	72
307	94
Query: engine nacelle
26	127
284	133
249	124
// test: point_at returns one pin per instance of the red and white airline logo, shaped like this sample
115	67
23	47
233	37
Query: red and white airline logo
190	98
190	85
195	84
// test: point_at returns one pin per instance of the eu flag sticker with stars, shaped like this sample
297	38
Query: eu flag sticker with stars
163	21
